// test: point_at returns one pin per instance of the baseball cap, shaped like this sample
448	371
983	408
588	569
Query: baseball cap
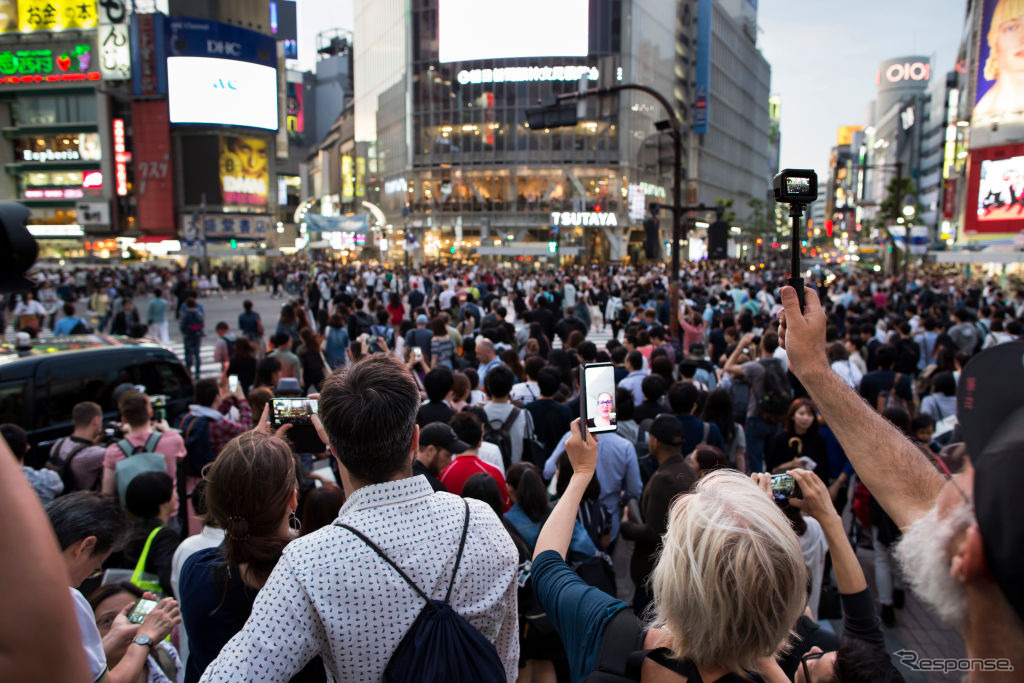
667	429
990	408
441	435
421	318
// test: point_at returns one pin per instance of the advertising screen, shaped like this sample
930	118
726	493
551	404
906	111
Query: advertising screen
243	171
996	184
999	65
489	29
205	90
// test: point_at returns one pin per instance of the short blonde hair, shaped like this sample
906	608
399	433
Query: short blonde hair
1004	11
731	581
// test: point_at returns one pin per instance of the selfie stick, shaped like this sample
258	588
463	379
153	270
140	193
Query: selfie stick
794	280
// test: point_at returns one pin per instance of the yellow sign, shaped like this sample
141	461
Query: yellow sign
243	171
347	180
55	15
845	136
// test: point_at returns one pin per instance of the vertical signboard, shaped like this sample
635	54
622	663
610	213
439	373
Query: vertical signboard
148	44
153	189
113	39
121	158
702	79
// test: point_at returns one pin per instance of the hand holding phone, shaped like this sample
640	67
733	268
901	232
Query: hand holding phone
232	383
140	609
298	412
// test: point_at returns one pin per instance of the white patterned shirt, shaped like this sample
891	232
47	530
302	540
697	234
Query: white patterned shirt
331	595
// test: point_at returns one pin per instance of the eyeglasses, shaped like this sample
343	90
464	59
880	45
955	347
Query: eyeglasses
605	402
949	477
809	657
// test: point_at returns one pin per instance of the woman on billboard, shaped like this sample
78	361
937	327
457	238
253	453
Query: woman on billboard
243	170
1005	63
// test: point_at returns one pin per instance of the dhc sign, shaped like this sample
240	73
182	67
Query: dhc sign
584	219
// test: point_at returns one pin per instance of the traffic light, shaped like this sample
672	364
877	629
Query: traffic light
552	116
829	226
234	243
452	249
552	247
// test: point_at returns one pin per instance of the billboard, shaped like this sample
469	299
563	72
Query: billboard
200	38
995	191
54	15
285	26
999	65
489	29
152	156
58	63
229	92
844	136
149	46
244	171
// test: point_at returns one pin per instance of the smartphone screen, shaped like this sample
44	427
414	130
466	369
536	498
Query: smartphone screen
232	383
598	391
296	411
783	487
140	609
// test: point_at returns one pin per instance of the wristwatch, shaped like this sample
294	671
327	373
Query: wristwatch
144	641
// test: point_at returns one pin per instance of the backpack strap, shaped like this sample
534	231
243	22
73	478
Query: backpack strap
412	584
126	447
152	441
140	566
510	420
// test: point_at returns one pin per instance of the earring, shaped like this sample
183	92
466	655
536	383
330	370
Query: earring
293	522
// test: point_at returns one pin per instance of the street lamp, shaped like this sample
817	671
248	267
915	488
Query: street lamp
909	211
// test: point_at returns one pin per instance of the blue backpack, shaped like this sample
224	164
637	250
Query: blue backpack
440	646
195	432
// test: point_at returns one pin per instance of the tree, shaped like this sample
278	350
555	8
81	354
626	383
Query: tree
891	212
728	215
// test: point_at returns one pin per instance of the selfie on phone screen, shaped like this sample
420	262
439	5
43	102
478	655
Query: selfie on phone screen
599	385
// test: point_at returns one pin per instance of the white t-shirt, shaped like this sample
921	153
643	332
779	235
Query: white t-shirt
91	640
491	454
815	548
525	392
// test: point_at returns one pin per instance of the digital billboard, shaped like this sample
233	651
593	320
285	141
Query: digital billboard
243	171
996	190
205	90
1000	63
490	29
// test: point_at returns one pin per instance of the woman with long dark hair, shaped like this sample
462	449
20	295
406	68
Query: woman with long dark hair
314	366
530	507
718	410
251	493
243	364
799	438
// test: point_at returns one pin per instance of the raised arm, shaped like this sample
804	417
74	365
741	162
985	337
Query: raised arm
731	365
899	476
557	531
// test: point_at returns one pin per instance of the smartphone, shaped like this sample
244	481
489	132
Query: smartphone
597	397
296	411
142	607
232	383
299	413
417	354
159	404
784	487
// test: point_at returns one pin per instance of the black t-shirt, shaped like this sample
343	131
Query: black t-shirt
420	468
782	448
433	412
882	380
550	421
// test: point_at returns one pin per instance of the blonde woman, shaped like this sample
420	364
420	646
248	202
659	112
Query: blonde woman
728	586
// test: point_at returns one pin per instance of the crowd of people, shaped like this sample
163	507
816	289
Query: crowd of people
464	491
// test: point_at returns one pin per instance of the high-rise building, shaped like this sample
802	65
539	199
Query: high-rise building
736	158
440	101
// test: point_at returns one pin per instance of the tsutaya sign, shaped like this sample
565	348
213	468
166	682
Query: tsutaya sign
523	74
584	219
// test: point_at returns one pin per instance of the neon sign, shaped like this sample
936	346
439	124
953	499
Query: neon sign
47	66
524	74
918	71
121	158
584	219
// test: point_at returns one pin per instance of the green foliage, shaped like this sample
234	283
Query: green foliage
728	215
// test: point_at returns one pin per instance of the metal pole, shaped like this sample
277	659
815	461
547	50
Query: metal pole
677	234
899	184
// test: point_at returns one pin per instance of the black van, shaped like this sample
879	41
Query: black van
40	386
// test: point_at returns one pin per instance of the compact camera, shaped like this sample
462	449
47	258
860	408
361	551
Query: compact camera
796	186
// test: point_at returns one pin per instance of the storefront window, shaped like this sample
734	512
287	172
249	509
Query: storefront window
60	147
61	184
51	109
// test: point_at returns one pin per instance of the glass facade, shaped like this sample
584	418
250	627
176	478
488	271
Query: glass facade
451	143
45	110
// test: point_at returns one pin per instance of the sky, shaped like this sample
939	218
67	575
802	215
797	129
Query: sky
824	55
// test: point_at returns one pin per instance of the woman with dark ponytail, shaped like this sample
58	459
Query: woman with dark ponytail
531	507
251	493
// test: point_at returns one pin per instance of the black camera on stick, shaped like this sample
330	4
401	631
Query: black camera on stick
797	187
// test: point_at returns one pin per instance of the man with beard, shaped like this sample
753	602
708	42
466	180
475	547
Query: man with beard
963	543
